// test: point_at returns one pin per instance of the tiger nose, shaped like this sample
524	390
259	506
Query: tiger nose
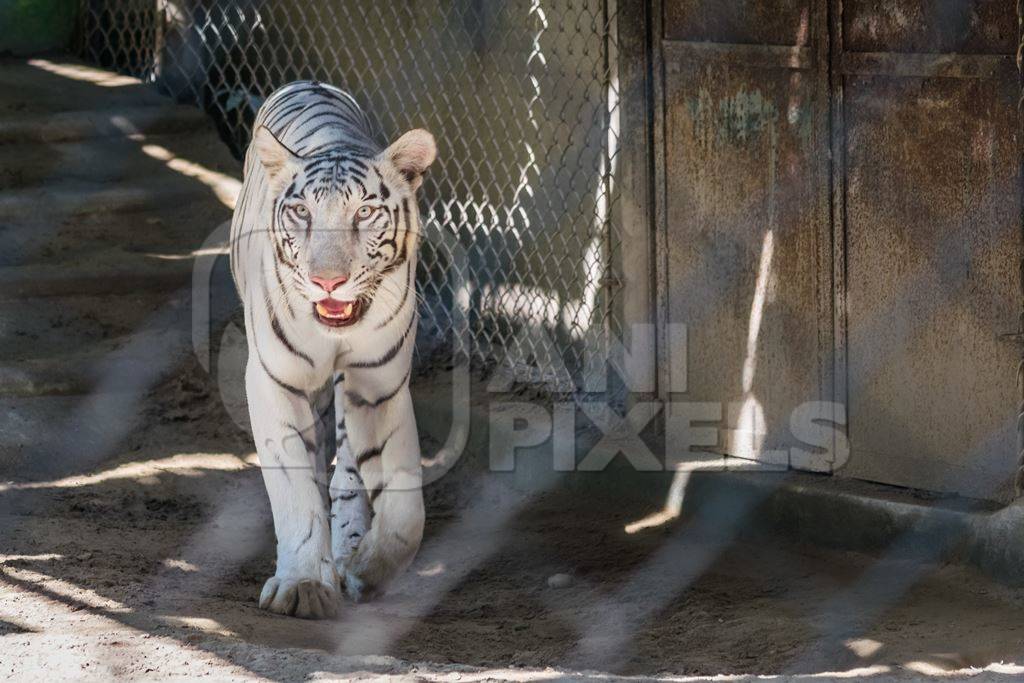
329	284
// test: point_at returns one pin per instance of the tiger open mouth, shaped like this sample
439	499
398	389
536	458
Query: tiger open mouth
334	313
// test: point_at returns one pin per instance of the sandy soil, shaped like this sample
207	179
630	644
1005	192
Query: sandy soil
149	566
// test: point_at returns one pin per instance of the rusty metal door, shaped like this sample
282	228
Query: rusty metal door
746	214
927	95
841	201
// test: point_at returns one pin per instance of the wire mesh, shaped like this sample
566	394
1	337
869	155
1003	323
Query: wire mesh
522	98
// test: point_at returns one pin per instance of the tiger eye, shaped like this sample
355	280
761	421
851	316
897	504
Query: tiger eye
365	211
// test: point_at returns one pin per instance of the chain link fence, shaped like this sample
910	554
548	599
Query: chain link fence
522	97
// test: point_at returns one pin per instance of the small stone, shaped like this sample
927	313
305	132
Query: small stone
559	581
84	556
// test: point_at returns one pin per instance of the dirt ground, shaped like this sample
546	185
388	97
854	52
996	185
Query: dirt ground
135	533
149	566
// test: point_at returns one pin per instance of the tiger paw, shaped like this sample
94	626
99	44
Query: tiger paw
299	597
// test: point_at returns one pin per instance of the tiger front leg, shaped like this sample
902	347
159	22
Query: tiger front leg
305	583
386	450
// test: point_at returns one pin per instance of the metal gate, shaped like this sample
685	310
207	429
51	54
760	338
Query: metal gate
840	196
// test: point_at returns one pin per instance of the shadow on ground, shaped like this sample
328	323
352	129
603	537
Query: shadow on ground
136	545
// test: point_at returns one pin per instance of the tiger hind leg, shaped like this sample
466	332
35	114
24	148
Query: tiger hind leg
390	468
350	507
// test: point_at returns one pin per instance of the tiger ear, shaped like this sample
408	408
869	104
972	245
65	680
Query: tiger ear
412	154
278	161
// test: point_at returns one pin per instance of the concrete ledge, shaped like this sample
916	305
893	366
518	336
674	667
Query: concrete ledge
82	125
896	523
60	202
19	282
893	523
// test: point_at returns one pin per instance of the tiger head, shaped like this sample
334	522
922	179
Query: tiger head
343	219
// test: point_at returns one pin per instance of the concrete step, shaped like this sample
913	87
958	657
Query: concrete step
114	160
75	197
55	83
120	228
48	327
58	433
71	412
108	194
120	242
82	279
111	367
67	126
76	407
36	328
54	257
168	411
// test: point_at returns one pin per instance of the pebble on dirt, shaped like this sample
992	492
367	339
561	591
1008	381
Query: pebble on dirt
559	581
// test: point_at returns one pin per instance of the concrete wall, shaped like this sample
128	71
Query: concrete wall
31	26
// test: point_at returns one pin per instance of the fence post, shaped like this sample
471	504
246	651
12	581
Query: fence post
632	290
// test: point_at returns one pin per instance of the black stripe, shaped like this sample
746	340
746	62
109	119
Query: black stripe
275	325
396	219
360	164
405	295
329	408
393	238
268	446
361	402
274	118
376	492
280	283
391	353
407	215
384	191
326	124
309	445
310	534
279	333
369	453
319	162
374	452
284	385
328	111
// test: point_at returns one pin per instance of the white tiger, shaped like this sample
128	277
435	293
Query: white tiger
323	252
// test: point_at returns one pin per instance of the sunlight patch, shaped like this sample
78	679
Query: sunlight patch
224	186
200	624
182	565
190	255
86	74
863	647
188	464
432	570
45	557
